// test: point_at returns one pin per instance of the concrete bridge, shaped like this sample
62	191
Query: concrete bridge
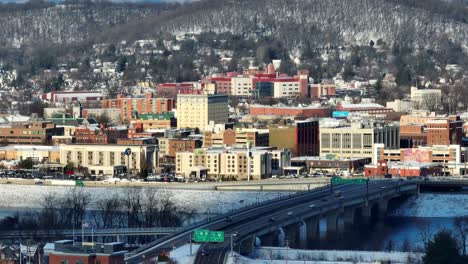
274	222
301	223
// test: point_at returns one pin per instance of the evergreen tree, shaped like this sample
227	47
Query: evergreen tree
443	249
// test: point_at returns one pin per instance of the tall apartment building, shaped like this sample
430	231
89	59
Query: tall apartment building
357	140
148	104
231	163
198	110
37	133
240	138
109	159
301	138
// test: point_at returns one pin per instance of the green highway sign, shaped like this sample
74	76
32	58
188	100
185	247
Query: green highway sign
201	235
204	236
216	236
338	180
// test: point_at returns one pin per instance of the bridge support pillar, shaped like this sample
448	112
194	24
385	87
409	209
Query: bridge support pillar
313	229
293	234
348	217
383	207
270	239
247	245
332	226
366	213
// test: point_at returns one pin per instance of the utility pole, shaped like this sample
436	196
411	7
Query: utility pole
191	244
287	251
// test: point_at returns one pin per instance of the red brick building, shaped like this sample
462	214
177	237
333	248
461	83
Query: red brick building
402	169
147	104
223	84
102	135
322	90
445	131
369	108
66	252
170	90
307	111
412	136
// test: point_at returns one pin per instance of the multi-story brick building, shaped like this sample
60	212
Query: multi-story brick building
223	84
322	90
422	129
171	90
36	133
292	111
155	121
240	138
65	251
445	131
301	138
129	106
68	97
448	156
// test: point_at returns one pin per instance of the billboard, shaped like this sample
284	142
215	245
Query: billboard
417	155
340	114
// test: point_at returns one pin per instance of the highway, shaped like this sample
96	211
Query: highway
216	253
254	217
167	243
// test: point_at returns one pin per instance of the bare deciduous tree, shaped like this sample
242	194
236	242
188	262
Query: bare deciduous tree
425	233
461	227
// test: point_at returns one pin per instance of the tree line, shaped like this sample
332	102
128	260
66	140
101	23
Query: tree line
132	208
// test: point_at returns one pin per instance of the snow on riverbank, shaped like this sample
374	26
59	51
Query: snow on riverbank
204	201
182	255
268	255
434	205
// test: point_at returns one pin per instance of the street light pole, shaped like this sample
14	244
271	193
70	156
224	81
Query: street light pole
232	243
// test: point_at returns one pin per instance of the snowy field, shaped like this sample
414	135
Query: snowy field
182	255
268	255
204	201
434	205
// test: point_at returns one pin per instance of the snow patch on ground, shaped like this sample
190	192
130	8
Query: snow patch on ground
434	205
268	255
182	255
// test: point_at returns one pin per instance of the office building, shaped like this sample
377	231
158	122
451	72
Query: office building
357	140
301	138
35	133
199	110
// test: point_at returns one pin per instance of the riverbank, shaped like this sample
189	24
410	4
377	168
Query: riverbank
262	185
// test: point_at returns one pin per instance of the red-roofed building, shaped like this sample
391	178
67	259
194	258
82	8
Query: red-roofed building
68	97
307	111
170	90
